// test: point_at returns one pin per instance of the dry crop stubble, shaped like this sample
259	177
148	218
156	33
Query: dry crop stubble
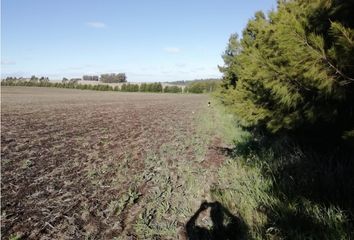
99	164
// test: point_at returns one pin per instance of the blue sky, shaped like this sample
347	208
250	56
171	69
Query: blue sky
156	40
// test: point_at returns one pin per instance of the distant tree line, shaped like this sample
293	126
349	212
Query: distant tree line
33	81
73	83
107	78
113	78
194	86
205	86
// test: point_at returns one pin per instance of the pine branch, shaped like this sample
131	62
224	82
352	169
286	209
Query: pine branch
324	57
294	81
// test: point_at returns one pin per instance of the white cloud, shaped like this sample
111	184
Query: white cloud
96	24
172	49
7	62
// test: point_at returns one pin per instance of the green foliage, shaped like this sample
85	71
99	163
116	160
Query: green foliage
130	87
143	87
151	87
15	237
172	89
156	87
293	72
279	189
206	86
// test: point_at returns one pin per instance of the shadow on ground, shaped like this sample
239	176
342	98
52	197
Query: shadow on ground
307	182
224	224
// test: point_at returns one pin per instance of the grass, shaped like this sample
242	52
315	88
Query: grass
284	191
220	123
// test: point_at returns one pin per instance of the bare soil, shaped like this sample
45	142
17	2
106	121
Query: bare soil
66	155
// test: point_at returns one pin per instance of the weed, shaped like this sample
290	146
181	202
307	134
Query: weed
15	237
26	164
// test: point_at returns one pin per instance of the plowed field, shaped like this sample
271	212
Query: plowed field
98	165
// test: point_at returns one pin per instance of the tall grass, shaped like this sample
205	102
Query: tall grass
283	190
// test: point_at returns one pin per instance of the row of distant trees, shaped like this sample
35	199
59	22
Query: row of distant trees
198	86
113	78
32	79
107	78
73	83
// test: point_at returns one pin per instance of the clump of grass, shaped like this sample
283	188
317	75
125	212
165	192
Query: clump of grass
26	164
15	237
128	198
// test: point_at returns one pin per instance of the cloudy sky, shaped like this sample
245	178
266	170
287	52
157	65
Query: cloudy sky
155	40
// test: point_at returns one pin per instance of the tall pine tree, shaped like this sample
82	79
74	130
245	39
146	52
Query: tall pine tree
293	71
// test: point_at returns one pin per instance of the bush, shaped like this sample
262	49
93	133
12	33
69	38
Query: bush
130	87
202	86
172	89
143	87
151	87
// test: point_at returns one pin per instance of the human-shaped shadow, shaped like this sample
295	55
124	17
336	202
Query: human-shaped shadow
225	224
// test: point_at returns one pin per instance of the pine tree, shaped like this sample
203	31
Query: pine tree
294	71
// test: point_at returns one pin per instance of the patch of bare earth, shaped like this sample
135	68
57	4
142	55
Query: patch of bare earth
69	157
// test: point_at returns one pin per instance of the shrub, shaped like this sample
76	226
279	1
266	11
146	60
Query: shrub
172	89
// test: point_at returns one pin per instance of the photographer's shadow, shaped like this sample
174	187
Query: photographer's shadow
224	224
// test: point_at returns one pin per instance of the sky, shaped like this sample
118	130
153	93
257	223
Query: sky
155	40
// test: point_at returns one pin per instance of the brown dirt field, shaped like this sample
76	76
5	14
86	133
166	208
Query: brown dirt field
68	156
